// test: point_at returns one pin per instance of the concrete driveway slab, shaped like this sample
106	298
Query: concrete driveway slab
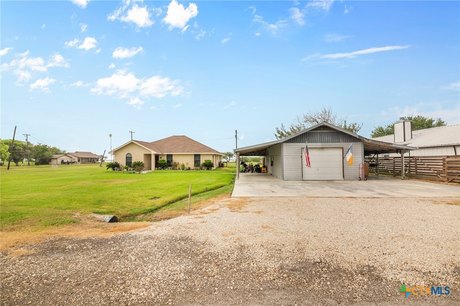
260	185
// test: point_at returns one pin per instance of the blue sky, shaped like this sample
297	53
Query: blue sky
72	72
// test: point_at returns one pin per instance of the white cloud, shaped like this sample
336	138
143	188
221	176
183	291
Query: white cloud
324	5
297	15
5	51
136	102
126	85
42	84
80	3
88	43
23	65
226	39
132	13
43	26
229	105
57	60
79	84
273	28
72	43
125	52
453	86
83	27
178	16
111	66
333	38
362	52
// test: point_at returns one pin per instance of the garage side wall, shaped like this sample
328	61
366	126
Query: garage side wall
274	161
292	159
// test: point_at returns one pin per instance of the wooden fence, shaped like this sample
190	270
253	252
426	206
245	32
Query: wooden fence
440	168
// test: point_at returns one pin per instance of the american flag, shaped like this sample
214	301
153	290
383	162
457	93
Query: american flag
307	157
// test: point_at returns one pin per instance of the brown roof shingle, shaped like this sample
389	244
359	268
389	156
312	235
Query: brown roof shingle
175	145
181	144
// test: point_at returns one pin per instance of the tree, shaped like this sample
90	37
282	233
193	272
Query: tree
417	122
310	119
4	152
43	153
17	150
228	156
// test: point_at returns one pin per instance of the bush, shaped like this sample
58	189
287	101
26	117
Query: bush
162	164
138	166
115	166
175	165
182	166
208	165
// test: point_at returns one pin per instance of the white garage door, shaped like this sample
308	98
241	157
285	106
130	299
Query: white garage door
326	164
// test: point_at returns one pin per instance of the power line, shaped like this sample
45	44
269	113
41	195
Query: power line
28	150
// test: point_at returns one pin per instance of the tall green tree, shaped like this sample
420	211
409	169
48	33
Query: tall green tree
17	150
43	153
309	119
418	123
4	152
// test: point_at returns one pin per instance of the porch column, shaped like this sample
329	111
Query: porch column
152	161
403	169
377	169
237	165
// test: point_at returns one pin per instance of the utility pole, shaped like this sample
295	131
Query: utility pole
132	132
12	148
28	151
236	139
111	153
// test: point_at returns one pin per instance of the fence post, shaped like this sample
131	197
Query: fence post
189	197
415	158
444	163
394	170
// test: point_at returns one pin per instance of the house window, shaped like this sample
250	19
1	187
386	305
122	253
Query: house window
169	159
196	160
129	159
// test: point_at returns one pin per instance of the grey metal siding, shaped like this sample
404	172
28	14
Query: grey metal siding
323	136
274	154
293	154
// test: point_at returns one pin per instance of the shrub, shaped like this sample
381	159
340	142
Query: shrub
182	166
138	166
175	165
208	165
115	166
162	164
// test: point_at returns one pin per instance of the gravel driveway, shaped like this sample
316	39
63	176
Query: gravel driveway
259	251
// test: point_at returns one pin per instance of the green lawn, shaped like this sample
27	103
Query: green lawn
44	196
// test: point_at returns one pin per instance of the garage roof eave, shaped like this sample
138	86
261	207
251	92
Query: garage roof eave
256	148
375	146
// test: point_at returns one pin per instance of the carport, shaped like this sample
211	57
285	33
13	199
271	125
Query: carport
327	146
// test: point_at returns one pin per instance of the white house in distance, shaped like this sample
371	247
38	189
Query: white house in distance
178	149
437	141
327	147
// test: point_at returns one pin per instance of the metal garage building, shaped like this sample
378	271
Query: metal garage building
327	146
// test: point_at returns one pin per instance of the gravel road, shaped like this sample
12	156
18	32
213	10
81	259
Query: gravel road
258	251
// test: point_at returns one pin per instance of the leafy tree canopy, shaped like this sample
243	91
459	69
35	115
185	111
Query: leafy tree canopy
312	118
418	123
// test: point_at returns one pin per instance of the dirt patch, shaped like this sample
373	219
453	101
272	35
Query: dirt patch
17	242
237	204
448	202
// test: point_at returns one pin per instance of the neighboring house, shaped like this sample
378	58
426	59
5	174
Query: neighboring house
327	147
64	158
437	141
77	157
174	149
85	157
